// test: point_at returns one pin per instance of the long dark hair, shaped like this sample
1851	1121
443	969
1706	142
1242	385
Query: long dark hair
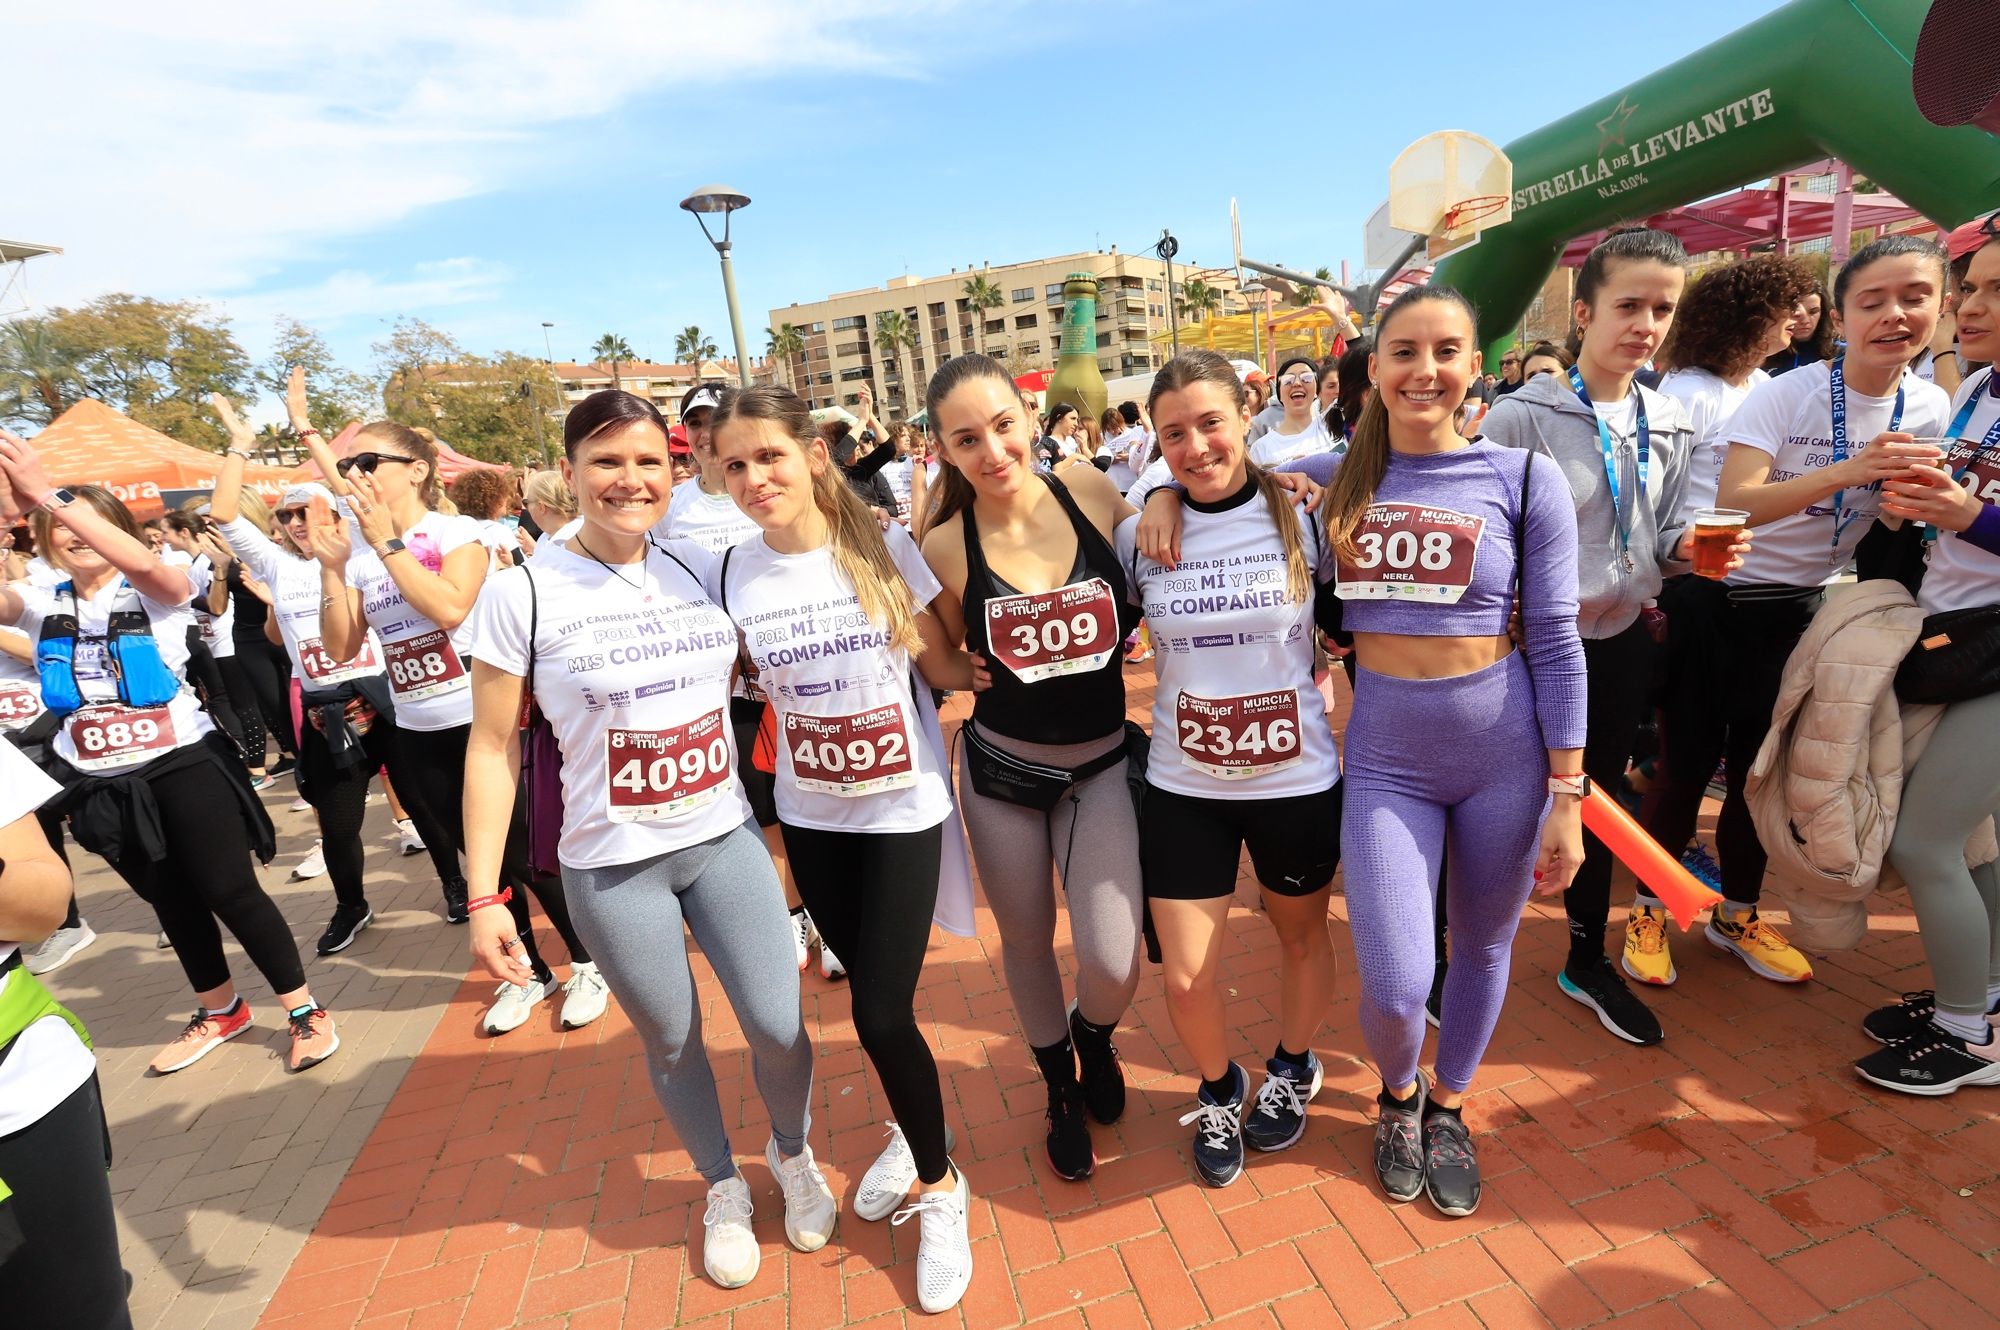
954	493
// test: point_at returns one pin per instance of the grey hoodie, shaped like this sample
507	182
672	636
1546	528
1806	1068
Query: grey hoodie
1546	416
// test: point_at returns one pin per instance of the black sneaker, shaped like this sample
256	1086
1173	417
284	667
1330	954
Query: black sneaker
1451	1169
1218	1139
1933	1062
1071	1154
454	902
1098	1068
348	921
1279	1117
1894	1024
284	766
1434	1004
1601	988
1399	1153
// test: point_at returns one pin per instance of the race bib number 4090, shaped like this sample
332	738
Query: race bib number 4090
1411	552
108	738
1049	633
1234	738
424	666
658	774
851	756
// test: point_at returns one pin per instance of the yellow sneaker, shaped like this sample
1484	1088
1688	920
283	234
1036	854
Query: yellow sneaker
1647	958
1759	946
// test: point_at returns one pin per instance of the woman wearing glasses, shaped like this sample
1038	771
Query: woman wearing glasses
410	582
1301	432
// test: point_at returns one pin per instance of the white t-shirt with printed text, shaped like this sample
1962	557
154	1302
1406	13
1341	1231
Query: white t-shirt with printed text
1958	574
1710	401
427	665
294	584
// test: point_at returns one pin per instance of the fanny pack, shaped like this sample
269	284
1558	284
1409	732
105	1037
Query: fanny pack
1956	658
997	774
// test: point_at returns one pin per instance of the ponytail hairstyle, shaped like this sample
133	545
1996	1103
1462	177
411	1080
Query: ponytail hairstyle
1360	473
418	443
1637	244
852	532
1724	313
101	500
1057	411
1192	367
954	493
1354	386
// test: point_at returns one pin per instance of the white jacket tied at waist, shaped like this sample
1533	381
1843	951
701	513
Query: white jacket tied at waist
1828	782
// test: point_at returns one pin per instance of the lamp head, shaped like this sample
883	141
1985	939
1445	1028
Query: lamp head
715	198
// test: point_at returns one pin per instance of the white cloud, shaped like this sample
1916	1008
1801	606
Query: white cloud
196	150
360	295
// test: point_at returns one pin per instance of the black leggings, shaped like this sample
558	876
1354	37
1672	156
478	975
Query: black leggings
1718	708
435	760
340	797
243	702
65	1269
203	673
871	894
207	875
1620	675
269	672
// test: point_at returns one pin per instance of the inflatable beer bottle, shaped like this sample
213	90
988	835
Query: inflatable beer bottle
1077	380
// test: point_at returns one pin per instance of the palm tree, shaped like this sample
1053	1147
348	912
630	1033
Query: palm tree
692	346
38	376
610	350
893	335
784	343
1198	299
981	295
1305	296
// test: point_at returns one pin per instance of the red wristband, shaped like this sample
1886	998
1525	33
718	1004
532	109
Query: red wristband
505	895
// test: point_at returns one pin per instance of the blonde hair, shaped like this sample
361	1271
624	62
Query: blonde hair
250	506
547	489
852	531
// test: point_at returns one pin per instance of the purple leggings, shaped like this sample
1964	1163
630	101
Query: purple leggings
1429	761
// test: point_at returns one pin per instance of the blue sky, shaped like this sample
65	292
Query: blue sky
486	167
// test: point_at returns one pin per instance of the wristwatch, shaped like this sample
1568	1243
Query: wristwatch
60	498
1578	785
391	546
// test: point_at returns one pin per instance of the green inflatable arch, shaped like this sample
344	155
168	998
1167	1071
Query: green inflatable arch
1817	78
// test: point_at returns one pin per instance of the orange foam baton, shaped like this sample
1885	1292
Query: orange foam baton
1679	890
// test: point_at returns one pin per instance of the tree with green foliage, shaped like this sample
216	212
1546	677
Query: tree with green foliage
484	406
893	336
980	296
335	396
1306	296
692	346
1198	299
784	342
613	350
38	378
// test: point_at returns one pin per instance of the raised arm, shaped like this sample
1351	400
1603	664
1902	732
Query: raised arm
444	597
225	503
301	422
30	488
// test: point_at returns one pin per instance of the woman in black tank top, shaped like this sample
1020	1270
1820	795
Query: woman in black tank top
1032	586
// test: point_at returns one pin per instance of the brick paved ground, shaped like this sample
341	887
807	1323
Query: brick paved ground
1738	1176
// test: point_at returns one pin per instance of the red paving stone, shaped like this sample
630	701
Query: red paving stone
1737	1176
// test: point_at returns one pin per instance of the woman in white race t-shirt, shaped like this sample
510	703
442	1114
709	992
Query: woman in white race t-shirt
1807	452
1942	1039
629	662
1301	431
147	782
835	613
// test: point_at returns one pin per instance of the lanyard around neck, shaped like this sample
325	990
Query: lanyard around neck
1957	433
1620	518
1836	383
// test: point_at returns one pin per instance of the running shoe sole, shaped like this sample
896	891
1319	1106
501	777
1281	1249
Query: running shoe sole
207	1048
1603	1018
1988	1075
1209	1181
309	1065
352	933
1756	966
1636	977
1319	1078
49	965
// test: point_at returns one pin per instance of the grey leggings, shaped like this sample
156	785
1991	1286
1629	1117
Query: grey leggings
1093	837
727	894
1956	784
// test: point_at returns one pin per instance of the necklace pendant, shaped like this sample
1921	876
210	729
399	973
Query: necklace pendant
1631	564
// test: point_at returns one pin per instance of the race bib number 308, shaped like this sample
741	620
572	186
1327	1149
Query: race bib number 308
1234	738
851	756
657	774
1049	633
108	738
1411	552
424	666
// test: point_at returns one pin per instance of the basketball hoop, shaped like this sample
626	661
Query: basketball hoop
1461	225
1450	186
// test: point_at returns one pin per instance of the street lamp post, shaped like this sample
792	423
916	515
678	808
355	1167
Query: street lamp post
713	199
535	410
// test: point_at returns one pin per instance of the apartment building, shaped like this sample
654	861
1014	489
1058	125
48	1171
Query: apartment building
1024	331
664	385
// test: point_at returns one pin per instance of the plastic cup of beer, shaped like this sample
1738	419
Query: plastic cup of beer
1715	530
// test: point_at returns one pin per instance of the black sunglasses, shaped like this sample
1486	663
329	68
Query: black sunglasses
366	463
290	514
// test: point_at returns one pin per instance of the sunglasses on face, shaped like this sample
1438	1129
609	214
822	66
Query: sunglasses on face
290	514
1299	376
1510	364
366	463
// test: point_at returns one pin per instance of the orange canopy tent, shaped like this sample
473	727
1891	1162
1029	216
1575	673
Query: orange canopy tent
91	444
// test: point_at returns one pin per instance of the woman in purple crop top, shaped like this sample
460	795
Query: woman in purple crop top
1456	737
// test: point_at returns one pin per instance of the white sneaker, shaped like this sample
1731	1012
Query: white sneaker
412	842
161	943
515	1004
299	805
313	864
829	964
944	1252
888	1180
583	996
54	951
728	1247
802	939
810	1210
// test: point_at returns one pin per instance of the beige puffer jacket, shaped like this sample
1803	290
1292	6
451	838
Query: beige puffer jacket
1828	781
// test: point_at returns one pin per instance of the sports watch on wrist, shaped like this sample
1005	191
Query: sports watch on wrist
58	498
1578	785
390	546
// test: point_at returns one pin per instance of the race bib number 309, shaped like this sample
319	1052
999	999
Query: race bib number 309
108	738
658	774
1234	738
1049	633
1411	552
851	756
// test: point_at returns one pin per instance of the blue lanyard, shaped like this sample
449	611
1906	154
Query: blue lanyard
1620	519
1836	382
1957	432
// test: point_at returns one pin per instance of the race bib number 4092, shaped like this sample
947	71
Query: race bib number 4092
108	738
424	666
1411	552
658	774
1234	738
1049	633
851	756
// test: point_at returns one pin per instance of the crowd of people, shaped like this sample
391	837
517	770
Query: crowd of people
693	676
